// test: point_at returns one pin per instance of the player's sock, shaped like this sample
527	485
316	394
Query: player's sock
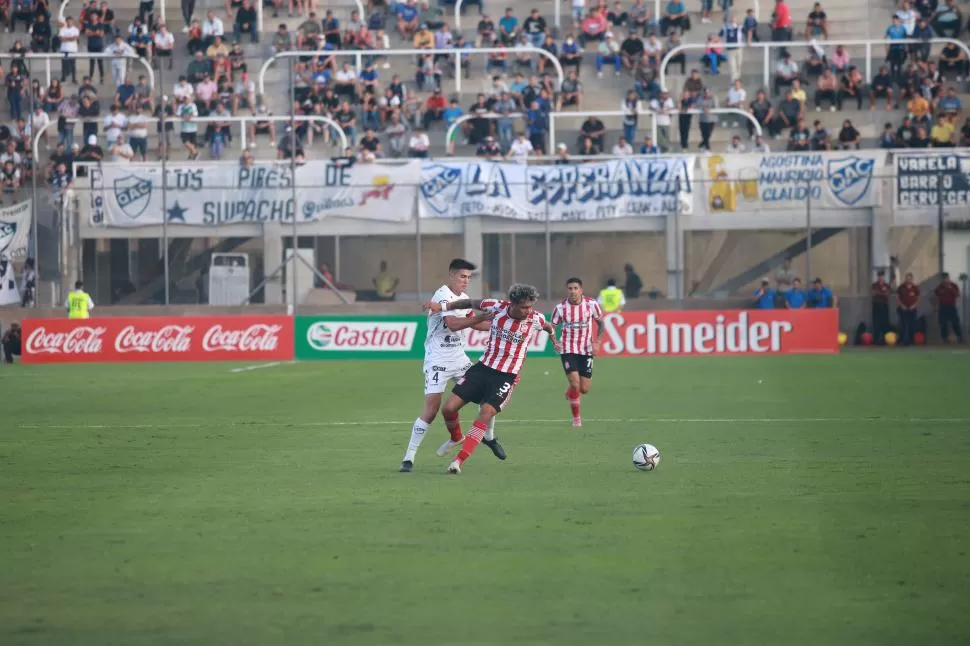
471	442
453	425
572	396
417	436
490	433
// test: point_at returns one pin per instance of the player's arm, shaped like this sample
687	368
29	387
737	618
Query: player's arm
479	322
460	304
600	329
551	331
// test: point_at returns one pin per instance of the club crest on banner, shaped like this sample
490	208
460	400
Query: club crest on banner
440	186
8	232
850	178
133	195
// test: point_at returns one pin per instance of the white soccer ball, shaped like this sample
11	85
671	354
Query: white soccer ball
646	457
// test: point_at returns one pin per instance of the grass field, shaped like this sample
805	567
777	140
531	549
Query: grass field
801	500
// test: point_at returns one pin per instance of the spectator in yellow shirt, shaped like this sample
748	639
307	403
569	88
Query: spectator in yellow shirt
798	92
385	284
941	136
424	38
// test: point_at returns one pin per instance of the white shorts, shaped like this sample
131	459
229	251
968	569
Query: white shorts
437	375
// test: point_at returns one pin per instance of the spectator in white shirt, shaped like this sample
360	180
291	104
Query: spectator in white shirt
138	133
418	144
164	42
520	149
183	89
119	65
622	148
759	145
737	97
736	146
114	124
69	35
38	120
121	151
663	107
211	28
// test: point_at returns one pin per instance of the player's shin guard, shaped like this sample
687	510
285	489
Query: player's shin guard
572	396
417	436
471	442
453	425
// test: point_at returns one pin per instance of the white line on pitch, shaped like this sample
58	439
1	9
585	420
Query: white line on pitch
618	420
260	366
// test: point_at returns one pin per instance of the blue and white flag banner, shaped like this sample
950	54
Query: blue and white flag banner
211	195
15	231
925	180
621	188
829	180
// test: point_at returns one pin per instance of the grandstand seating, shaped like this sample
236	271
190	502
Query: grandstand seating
600	91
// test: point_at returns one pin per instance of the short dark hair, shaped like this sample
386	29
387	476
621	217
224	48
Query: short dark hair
611	283
519	293
78	284
460	263
570	281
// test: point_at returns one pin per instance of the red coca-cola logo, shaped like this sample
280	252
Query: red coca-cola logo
191	338
169	338
83	339
259	337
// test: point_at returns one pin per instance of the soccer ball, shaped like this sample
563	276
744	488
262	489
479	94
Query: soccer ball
646	457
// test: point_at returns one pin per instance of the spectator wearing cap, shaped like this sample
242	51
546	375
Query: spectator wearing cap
608	51
820	296
764	296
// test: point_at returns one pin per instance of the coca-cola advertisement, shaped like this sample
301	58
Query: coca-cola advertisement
721	332
187	338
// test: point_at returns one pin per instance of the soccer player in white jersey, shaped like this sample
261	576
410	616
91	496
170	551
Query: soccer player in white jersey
574	316
445	359
490	381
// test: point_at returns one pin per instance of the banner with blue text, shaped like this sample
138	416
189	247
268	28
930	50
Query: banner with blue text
830	180
621	188
211	195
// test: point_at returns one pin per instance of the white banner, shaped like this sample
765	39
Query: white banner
621	188
211	195
15	231
831	180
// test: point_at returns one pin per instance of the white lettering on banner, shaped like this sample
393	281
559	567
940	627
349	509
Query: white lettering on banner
632	187
331	336
15	230
723	336
170	338
931	179
255	338
773	181
130	195
80	340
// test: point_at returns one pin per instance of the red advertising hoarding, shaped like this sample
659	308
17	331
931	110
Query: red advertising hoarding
131	339
721	332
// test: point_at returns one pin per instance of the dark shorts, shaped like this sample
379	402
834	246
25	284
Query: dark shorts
581	363
189	138
484	385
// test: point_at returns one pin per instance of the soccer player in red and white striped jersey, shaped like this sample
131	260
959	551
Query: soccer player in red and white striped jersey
490	382
575	316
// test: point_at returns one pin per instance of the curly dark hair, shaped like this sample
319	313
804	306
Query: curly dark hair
520	293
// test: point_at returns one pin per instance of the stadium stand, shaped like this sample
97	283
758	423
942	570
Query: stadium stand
407	101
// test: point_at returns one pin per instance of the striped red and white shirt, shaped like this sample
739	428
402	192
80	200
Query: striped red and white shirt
508	340
577	324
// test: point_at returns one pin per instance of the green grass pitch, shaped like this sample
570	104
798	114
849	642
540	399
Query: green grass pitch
800	500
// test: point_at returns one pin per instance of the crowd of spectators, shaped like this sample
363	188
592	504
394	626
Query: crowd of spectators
385	114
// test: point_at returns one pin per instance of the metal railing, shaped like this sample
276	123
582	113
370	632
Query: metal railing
468	117
767	46
47	57
645	113
259	12
557	13
344	141
360	54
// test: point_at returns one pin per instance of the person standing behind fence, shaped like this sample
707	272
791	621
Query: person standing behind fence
79	303
946	296
908	298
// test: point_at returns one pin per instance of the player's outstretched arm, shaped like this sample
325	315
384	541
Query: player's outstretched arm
551	331
460	304
479	322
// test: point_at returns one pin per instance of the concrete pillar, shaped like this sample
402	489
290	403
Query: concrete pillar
674	237
272	257
474	252
882	219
